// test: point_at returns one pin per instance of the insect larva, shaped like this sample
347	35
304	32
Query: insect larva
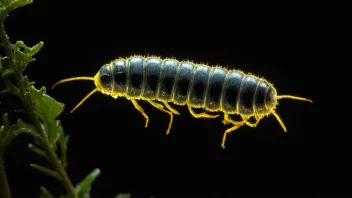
185	83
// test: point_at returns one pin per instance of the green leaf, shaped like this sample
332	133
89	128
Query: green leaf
123	195
46	171
63	141
7	6
7	72
43	101
10	88
21	127
84	187
27	83
8	132
23	54
45	193
1	59
38	151
4	62
5	121
47	109
4	91
35	49
28	51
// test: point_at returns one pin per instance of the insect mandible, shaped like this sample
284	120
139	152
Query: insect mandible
163	81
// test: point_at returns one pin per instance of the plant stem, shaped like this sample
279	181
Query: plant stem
4	186
34	119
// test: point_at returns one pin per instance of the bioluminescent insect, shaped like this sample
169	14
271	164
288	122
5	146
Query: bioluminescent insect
214	89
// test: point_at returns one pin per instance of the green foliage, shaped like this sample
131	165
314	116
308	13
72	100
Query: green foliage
8	132
42	110
6	6
83	188
123	195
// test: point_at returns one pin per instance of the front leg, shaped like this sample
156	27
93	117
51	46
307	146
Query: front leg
257	119
228	120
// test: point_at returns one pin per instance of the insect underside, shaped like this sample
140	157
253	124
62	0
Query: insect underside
163	81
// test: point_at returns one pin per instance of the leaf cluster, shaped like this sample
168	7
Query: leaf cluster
41	109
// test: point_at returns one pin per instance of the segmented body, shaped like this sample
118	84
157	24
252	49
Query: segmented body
183	82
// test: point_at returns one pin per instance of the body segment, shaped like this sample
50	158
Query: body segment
215	86
231	90
183	81
135	77
167	80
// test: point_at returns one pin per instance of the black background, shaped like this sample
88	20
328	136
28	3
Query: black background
273	41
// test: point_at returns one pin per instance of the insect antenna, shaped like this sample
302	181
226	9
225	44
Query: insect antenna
294	98
279	120
73	79
84	99
290	97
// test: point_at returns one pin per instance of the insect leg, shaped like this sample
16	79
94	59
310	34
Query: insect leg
201	115
140	109
171	109
253	124
237	124
228	120
161	108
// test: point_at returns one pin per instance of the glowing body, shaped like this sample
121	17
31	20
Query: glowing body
185	83
199	86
